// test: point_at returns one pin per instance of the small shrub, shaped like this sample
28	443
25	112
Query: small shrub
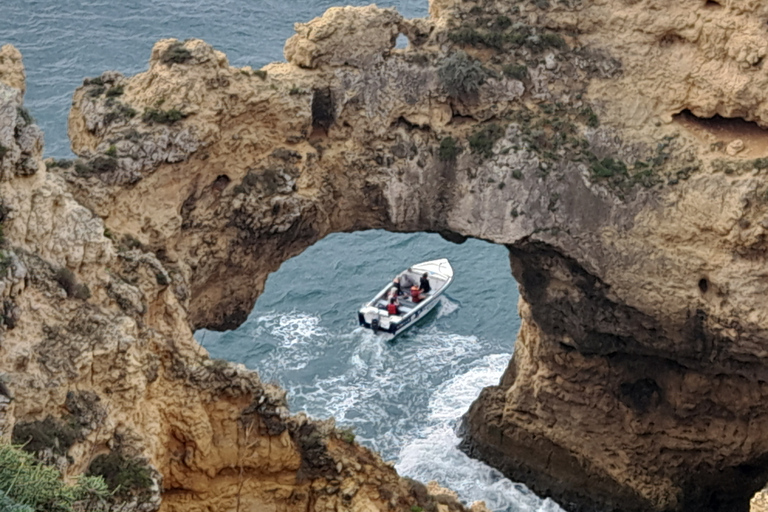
154	115
449	150
552	40
260	73
501	23
130	242
461	75
25	116
93	81
27	486
97	91
346	434
161	278
99	165
60	164
465	36
124	476
295	90
541	4
119	112
482	141
175	54
591	118
416	508
517	174
608	167
516	71
50	433
111	151
108	233
3	151
115	91
760	163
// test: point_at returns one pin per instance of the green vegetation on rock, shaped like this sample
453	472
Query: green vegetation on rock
48	434
516	71
156	115
175	54
98	165
482	141
462	75
124	476
449	149
115	91
28	486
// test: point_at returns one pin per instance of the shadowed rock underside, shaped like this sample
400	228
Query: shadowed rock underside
591	140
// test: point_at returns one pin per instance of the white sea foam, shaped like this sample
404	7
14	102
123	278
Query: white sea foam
403	397
293	328
435	456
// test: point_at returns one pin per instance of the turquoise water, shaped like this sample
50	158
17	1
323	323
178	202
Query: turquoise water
404	397
63	41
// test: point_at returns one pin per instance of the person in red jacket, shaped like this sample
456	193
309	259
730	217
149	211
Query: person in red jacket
416	295
392	308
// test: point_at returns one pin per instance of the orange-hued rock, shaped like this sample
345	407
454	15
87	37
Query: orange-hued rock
96	326
637	235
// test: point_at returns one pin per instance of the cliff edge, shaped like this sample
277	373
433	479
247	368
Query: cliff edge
617	149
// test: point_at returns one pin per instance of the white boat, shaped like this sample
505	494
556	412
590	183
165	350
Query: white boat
373	315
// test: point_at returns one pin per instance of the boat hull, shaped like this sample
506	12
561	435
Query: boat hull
373	316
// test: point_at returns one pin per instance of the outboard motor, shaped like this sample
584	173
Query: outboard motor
375	325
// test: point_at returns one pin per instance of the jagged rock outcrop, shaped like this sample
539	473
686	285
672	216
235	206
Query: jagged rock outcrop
566	132
99	370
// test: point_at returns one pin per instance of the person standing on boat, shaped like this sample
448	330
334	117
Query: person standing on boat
425	287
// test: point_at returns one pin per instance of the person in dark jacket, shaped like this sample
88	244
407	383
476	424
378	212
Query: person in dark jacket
424	286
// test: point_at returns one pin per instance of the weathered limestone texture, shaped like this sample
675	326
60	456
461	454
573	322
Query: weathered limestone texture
567	131
97	358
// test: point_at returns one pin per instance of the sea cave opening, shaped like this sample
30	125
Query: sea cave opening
745	138
404	397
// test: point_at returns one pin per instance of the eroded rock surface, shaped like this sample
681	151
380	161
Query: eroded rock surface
567	132
99	371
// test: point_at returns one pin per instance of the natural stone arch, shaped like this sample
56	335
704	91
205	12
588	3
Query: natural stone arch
619	342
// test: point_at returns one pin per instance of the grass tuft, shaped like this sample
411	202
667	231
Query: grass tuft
175	54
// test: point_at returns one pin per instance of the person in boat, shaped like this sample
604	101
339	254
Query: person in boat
405	281
424	284
396	286
416	295
392	307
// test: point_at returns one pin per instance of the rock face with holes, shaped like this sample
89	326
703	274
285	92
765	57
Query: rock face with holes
639	376
99	371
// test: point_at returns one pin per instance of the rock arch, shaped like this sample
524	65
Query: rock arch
630	388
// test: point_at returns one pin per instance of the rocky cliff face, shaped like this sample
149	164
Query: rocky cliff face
100	372
577	135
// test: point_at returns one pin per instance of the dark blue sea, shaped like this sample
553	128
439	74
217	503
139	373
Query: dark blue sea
402	397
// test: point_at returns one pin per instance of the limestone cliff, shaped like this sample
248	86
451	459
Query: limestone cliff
99	369
573	134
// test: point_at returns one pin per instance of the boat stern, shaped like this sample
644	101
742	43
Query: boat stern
376	319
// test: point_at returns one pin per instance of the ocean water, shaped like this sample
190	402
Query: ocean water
404	397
